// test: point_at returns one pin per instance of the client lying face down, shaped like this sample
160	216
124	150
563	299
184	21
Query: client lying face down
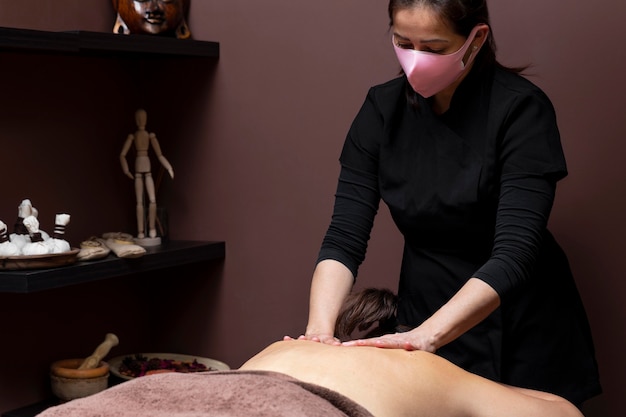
304	378
395	383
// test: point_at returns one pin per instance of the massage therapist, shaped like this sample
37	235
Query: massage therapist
466	154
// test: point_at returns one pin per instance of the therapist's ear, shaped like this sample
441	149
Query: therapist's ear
481	35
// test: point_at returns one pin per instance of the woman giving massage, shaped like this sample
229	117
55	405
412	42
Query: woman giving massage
305	378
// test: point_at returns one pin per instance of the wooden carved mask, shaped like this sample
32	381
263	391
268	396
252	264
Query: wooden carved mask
152	17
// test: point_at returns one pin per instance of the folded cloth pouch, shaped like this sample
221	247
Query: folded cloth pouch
122	245
92	249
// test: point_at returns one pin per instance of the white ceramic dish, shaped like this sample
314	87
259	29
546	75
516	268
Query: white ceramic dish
211	364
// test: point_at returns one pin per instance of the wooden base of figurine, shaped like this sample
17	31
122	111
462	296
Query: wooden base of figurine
148	241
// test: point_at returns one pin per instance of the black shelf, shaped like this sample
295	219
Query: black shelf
86	42
31	410
170	253
167	255
34	409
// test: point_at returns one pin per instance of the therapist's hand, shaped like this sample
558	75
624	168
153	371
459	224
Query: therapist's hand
413	340
321	338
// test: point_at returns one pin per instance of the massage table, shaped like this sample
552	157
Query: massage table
229	393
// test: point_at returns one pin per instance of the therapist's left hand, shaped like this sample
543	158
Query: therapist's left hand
413	340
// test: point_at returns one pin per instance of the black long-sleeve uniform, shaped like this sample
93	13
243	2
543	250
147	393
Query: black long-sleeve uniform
471	192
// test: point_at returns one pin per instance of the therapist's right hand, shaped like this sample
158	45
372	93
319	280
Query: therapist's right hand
321	338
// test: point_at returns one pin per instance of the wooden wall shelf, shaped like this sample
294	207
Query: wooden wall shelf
101	43
86	43
167	255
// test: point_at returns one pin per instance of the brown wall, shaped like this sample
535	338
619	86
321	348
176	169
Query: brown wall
254	142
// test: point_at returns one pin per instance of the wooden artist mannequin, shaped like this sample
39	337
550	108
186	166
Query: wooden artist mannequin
143	176
152	17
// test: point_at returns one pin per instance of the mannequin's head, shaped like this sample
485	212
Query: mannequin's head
152	17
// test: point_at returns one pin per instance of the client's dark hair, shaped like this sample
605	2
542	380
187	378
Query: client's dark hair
367	308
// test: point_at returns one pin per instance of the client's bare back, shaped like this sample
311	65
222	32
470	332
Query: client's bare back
400	383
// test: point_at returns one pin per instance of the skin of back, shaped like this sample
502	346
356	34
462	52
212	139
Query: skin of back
400	383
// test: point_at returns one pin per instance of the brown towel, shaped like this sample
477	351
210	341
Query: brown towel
215	393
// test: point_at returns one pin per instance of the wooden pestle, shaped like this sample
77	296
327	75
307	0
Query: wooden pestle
101	351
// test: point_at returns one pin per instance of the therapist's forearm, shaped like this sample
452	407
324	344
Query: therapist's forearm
468	307
331	284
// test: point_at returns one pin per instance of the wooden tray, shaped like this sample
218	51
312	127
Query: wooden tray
51	260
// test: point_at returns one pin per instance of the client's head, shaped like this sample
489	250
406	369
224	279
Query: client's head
367	308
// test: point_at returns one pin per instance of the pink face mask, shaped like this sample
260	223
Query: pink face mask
429	73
